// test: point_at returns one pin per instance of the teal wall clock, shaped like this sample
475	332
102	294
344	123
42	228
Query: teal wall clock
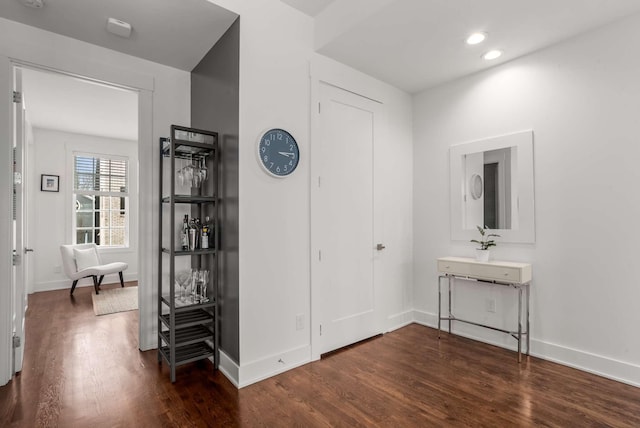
278	152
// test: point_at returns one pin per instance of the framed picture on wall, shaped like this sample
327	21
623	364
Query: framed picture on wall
49	183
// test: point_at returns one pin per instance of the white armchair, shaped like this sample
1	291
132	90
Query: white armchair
83	261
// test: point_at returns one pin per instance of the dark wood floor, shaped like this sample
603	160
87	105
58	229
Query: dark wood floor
86	371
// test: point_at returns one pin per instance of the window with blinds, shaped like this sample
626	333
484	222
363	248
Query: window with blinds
101	197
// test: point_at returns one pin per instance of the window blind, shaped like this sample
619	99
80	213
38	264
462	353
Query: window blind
100	175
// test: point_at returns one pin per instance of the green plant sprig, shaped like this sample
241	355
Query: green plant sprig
485	241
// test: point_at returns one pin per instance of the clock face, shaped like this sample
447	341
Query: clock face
278	152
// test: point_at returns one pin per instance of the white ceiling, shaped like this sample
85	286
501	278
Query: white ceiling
411	44
177	33
309	7
418	44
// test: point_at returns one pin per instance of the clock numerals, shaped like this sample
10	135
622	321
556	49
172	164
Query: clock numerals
278	152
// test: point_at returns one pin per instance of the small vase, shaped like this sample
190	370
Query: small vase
482	255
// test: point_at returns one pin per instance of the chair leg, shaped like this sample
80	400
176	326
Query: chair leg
95	284
73	286
101	278
121	279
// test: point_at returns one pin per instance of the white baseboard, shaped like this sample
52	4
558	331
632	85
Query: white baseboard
62	284
609	368
272	365
399	320
425	318
229	368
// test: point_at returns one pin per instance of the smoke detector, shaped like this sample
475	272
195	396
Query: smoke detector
119	28
36	4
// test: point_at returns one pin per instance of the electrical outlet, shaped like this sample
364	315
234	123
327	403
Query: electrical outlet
299	321
491	305
57	269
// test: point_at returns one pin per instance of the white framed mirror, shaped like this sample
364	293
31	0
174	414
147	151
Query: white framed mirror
492	184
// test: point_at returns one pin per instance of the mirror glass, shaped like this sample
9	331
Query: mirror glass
492	185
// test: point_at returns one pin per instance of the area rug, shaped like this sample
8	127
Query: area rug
115	300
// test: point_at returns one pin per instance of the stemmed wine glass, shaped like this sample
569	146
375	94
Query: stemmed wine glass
188	172
197	177
184	280
203	169
181	177
204	282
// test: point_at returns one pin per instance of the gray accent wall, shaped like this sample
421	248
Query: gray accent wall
215	107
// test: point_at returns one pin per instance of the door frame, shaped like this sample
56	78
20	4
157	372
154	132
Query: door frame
69	64
324	73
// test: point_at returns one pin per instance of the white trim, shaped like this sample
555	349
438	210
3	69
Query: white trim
399	320
524	230
6	215
104	73
272	365
148	162
230	369
600	365
74	191
113	76
610	368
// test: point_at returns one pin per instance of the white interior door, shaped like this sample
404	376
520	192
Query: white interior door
19	273
342	220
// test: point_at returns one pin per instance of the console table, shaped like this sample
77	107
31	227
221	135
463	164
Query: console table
509	274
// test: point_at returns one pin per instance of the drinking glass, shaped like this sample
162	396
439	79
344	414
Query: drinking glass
194	285
183	279
203	169
188	173
197	177
181	177
204	282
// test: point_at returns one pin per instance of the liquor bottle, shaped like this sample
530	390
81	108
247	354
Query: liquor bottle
193	235
205	233
184	233
198	234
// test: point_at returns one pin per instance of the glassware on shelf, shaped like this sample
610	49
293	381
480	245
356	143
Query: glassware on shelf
199	282
204	282
184	280
197	177
192	172
188	173
181	177
203	169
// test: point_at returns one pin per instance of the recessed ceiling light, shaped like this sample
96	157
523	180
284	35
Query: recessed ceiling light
492	55
36	4
476	38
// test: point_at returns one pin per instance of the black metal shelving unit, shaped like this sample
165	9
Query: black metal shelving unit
187	331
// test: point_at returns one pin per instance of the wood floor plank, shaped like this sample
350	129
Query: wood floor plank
86	371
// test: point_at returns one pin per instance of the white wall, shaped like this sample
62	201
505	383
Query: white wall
581	100
275	91
164	99
53	155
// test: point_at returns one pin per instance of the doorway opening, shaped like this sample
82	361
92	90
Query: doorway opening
66	117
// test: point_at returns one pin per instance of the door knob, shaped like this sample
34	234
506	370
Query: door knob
28	250
380	247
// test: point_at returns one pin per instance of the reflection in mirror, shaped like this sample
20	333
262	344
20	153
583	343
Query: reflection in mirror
490	188
492	185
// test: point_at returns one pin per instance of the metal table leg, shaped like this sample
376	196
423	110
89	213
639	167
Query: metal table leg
439	304
519	324
450	280
528	327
